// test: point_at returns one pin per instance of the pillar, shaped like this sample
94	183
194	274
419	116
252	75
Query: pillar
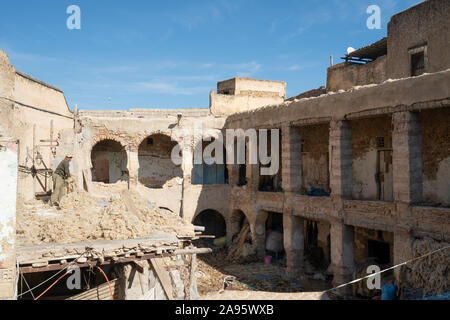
403	250
133	167
407	168
294	228
407	157
291	155
341	159
259	231
342	253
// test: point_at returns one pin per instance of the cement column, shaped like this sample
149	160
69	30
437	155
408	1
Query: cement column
291	155
133	167
403	250
294	228
258	229
407	157
342	253
341	159
8	194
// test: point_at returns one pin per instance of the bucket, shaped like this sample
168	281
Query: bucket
268	259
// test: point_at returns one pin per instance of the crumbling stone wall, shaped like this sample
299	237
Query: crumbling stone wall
30	111
109	160
365	156
435	127
363	235
155	164
315	156
428	24
344	76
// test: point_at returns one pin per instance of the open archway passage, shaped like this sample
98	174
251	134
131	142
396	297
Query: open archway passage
109	162
156	168
213	222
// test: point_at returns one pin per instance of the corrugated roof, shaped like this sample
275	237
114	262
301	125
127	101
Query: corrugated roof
372	51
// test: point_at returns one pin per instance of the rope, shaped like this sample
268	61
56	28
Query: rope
382	271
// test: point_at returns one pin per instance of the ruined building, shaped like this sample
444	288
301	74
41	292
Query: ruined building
374	143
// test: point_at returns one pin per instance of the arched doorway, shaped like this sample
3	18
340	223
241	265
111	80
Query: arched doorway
156	167
213	222
109	162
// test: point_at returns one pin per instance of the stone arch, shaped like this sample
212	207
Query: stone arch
109	161
156	167
213	221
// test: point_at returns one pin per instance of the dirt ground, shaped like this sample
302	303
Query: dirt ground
255	276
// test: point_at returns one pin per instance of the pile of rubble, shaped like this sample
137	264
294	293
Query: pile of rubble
255	276
84	217
432	272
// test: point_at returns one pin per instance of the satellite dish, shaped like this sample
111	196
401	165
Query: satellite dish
350	50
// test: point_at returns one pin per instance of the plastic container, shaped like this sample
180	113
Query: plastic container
268	259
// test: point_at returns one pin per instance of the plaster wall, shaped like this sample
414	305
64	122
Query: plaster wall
344	76
427	23
435	127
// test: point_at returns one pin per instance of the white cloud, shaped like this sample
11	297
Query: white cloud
157	86
247	69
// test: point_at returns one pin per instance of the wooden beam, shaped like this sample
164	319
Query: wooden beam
192	274
163	277
58	266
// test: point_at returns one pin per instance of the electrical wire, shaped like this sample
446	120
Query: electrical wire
73	262
109	285
65	274
23	277
382	271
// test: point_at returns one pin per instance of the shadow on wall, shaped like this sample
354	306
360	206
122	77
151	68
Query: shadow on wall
213	222
109	162
156	167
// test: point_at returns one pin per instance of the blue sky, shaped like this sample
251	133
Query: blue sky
170	54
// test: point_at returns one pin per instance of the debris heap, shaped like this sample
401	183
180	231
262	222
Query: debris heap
83	217
432	272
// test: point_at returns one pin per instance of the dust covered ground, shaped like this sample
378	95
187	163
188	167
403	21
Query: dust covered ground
84	217
251	275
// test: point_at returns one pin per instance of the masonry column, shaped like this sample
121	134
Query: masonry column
291	155
342	253
8	194
341	235
133	166
259	231
341	160
407	169
403	250
294	228
407	157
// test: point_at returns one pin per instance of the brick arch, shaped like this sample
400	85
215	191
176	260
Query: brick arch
167	133
154	172
225	222
103	137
